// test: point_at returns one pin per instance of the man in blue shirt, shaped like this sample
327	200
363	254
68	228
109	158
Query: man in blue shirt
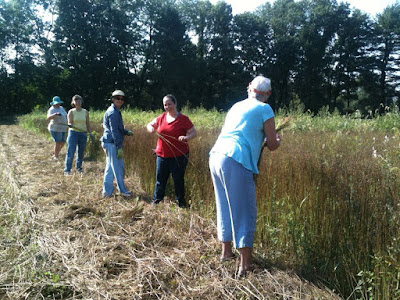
112	141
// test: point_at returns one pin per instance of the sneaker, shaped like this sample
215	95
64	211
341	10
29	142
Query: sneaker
67	173
126	194
106	196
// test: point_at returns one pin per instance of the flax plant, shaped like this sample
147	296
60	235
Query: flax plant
328	199
327	206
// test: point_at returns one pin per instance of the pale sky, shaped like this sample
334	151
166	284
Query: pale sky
371	7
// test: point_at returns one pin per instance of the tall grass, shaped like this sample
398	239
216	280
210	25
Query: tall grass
329	205
328	198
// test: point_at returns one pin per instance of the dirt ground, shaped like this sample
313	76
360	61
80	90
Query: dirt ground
61	240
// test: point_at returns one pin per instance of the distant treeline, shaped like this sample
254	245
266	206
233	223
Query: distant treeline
320	53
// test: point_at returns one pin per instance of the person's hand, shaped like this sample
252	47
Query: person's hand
130	133
151	127
278	137
58	114
119	153
182	138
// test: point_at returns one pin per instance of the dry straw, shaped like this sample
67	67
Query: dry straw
66	242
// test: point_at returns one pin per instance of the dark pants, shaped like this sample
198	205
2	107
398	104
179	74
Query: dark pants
175	166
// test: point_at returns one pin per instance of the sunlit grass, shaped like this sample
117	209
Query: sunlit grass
326	204
328	198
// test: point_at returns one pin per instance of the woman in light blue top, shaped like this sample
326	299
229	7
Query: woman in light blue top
233	161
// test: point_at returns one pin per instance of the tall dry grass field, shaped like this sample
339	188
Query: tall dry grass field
327	204
328	198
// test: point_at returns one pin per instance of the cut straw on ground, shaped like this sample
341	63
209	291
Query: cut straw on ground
62	240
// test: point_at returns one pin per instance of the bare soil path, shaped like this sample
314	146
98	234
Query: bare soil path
59	239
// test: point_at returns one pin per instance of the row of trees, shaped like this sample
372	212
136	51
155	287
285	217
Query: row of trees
319	52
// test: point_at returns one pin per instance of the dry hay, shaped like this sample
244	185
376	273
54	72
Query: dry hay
79	245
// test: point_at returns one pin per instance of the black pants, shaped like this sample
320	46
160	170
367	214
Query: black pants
175	166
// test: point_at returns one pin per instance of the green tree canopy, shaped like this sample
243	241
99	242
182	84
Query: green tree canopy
322	53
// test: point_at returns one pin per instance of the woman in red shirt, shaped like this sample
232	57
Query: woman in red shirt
174	130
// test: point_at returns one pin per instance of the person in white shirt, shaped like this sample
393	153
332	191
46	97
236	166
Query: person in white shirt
57	125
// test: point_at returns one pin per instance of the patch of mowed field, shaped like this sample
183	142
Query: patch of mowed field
328	198
60	239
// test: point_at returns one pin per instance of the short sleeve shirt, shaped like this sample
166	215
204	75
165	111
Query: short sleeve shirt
242	135
168	144
59	123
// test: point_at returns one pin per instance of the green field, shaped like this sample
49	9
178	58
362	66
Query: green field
328	198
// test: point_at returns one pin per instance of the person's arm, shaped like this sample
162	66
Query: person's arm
152	126
273	139
115	123
190	134
52	116
70	118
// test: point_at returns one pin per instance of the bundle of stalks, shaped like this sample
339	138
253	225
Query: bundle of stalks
283	123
